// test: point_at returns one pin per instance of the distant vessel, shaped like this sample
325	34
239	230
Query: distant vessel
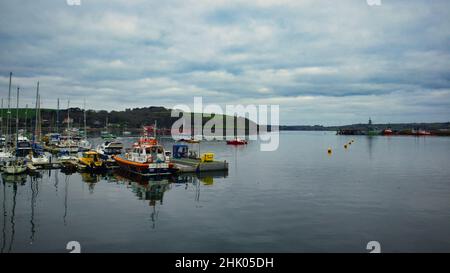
387	132
189	140
237	141
420	133
107	135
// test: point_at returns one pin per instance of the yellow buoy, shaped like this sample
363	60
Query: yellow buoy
330	151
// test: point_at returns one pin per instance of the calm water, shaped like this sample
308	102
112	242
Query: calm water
395	190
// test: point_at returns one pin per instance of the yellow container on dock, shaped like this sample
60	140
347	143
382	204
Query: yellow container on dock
207	157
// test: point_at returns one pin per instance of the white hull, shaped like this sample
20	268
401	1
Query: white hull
14	169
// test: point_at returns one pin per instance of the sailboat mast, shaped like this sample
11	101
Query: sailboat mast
57	118
17	119
68	118
39	119
26	118
1	120
36	115
8	114
85	125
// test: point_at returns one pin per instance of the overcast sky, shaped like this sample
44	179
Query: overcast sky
323	61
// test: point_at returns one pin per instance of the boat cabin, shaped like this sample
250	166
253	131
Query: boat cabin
149	154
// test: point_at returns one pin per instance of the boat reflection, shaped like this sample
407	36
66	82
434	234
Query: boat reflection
150	190
9	181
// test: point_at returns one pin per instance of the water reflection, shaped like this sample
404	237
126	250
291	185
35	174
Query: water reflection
66	196
5	215
151	190
34	184
9	181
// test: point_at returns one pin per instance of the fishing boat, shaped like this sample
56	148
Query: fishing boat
147	157
91	160
237	141
146	160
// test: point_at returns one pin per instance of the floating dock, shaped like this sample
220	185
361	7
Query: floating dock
188	165
184	165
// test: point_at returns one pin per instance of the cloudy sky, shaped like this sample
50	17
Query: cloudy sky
323	61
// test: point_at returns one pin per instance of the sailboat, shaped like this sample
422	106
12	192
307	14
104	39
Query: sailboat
84	145
106	134
67	143
5	153
17	165
36	155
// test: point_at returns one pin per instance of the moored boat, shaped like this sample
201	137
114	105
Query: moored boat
14	167
237	141
91	160
109	149
146	160
421	133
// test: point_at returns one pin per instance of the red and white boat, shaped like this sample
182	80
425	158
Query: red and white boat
146	158
388	132
237	141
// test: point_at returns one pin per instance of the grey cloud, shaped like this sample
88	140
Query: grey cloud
390	62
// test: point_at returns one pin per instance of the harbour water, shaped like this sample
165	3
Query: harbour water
394	190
